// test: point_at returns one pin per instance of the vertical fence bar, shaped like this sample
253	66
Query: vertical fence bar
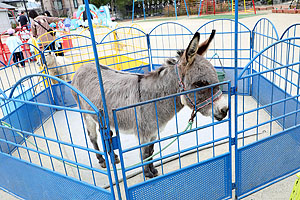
175	9
132	10
150	68
107	130
121	155
236	21
199	10
186	8
144	10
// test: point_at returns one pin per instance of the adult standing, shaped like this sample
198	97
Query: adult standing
84	17
22	19
40	26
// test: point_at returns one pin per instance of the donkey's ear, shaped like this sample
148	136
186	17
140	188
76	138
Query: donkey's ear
191	51
204	46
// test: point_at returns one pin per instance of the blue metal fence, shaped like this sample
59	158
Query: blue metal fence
166	39
38	133
264	34
191	167
51	143
292	31
267	147
221	51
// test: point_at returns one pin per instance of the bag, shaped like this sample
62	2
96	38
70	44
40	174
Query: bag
48	30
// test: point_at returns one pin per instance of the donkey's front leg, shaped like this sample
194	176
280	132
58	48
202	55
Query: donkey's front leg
91	129
149	169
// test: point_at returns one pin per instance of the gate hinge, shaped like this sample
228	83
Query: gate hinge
233	186
233	90
115	143
233	141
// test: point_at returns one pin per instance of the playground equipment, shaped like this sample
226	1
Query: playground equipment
100	16
146	9
45	136
93	9
216	7
105	17
175	8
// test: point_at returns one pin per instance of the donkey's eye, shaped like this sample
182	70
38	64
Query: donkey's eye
200	84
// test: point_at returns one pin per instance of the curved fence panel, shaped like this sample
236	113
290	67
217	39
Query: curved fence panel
48	138
266	127
166	39
292	31
221	50
264	34
125	48
23	62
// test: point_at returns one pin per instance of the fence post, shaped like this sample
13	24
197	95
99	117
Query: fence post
150	68
236	21
106	128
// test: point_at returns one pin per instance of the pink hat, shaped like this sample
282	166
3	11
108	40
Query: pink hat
10	31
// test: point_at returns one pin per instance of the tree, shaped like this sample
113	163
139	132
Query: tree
124	7
98	3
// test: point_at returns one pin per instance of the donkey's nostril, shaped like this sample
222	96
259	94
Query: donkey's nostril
224	110
222	114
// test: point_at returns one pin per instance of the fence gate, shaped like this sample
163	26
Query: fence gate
192	162
267	120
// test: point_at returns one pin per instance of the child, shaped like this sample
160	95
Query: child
13	42
31	48
24	34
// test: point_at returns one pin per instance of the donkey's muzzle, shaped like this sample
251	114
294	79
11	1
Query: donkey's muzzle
222	114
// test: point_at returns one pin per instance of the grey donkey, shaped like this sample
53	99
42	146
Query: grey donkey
123	89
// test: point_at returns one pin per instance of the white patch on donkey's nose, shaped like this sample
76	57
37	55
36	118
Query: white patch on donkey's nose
220	107
183	100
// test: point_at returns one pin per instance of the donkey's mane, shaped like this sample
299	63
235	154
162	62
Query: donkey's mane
169	62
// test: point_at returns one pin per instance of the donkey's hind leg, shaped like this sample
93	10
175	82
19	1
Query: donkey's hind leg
149	169
91	129
117	160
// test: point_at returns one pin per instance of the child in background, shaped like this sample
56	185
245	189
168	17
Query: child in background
58	43
25	34
13	42
31	48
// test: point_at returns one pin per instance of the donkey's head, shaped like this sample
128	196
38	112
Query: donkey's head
195	71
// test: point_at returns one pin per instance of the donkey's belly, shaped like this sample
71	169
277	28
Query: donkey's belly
127	131
150	135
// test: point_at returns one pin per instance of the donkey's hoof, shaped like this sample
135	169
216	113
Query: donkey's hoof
154	171
150	173
103	164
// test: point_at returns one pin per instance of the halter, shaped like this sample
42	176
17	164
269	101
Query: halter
200	105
